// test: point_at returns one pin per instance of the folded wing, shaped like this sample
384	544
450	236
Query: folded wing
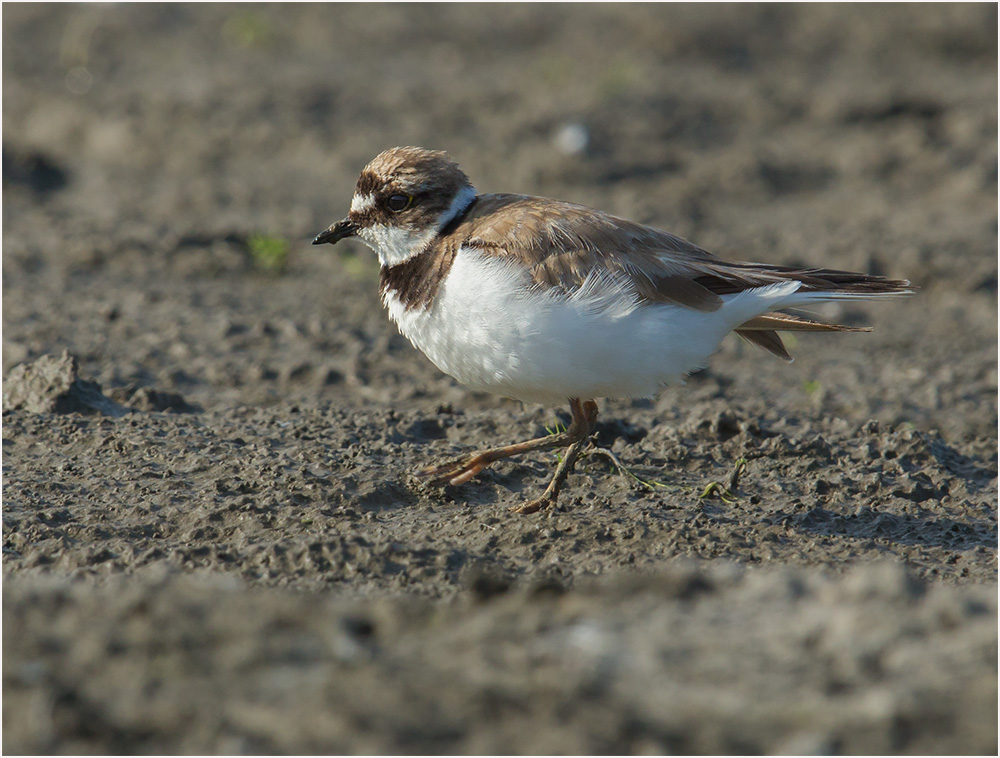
562	243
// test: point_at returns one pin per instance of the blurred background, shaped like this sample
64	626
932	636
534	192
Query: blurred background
165	167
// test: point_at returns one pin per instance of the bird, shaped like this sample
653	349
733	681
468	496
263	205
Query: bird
547	301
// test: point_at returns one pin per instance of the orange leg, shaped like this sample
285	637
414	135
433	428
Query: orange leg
461	470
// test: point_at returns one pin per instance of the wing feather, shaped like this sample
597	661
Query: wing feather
562	243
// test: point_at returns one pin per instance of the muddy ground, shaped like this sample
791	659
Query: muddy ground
211	540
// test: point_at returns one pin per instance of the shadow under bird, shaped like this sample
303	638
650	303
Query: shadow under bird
543	300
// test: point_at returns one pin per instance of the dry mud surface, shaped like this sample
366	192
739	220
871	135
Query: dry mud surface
211	539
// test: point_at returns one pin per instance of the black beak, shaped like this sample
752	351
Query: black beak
336	232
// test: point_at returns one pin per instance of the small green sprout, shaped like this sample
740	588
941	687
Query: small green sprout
269	254
559	428
725	491
247	28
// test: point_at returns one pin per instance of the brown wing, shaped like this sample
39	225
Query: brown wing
561	243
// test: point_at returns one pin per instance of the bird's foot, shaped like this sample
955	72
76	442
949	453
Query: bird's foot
574	439
455	471
534	506
548	498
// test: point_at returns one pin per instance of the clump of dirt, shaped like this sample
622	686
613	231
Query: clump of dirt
52	385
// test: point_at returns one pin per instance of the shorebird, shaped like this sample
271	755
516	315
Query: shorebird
543	300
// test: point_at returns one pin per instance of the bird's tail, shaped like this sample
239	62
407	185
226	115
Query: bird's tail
816	286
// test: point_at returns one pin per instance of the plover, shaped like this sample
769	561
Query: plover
547	301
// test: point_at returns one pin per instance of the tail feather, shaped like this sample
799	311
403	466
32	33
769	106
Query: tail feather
760	330
768	340
755	294
828	284
820	285
835	284
789	323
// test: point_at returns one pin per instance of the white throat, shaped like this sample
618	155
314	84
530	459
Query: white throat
396	244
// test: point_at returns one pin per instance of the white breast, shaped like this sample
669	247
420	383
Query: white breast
491	329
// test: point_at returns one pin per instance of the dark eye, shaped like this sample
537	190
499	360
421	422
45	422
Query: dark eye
397	203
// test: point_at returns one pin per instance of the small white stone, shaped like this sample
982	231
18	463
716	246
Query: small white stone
572	138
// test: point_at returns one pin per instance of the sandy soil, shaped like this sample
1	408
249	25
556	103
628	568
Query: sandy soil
212	542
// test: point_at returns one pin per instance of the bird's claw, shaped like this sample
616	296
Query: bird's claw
534	506
453	472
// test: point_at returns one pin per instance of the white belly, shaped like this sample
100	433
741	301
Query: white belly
493	331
